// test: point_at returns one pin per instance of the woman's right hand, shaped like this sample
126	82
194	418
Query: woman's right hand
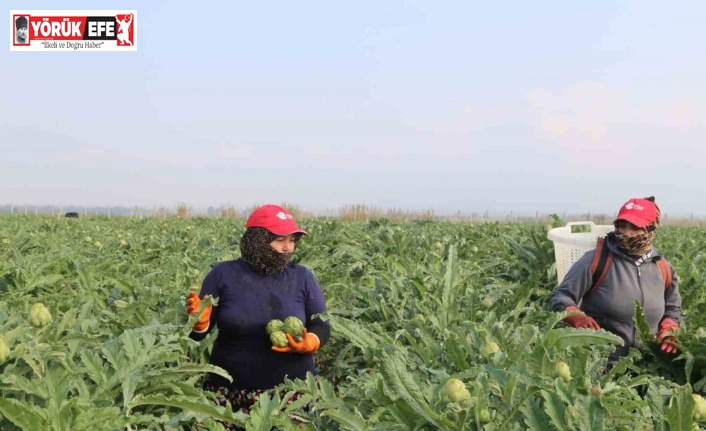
193	304
580	319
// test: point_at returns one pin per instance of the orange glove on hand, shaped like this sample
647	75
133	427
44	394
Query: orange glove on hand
193	304
667	343
309	344
580	320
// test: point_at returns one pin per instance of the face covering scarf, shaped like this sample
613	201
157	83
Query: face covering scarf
256	250
636	245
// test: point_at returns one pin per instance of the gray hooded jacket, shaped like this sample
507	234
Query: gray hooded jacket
611	302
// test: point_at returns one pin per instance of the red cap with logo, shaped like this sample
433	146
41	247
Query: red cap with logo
275	219
639	212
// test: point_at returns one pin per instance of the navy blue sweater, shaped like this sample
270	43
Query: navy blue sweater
247	301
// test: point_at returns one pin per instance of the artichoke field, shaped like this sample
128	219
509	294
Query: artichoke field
436	326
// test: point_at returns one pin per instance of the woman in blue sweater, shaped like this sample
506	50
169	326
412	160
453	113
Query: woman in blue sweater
263	284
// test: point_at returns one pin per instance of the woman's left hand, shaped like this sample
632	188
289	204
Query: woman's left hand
309	344
667	343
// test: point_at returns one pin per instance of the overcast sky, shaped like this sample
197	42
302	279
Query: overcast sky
520	106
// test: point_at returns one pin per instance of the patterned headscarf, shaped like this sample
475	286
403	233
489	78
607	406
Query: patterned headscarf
255	249
638	245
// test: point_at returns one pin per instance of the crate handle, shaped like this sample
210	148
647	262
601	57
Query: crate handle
580	223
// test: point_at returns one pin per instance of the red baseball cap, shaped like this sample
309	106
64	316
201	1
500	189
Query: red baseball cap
639	212
275	219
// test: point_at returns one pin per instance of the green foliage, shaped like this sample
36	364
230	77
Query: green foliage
412	306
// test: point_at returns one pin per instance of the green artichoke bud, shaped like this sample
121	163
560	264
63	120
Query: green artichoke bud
119	303
294	327
39	315
279	339
484	416
489	348
562	370
454	390
699	407
4	350
274	325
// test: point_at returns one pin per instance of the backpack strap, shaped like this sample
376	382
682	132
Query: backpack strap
602	259
666	271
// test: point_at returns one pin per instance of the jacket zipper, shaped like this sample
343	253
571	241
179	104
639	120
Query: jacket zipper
639	283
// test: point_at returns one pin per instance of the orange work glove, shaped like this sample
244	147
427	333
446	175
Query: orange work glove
193	303
309	344
667	343
580	320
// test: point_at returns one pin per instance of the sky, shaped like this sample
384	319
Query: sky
508	107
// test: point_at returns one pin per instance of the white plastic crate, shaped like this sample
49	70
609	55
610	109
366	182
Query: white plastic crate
570	246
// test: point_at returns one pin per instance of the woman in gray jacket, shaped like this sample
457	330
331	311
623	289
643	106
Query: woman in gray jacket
630	269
